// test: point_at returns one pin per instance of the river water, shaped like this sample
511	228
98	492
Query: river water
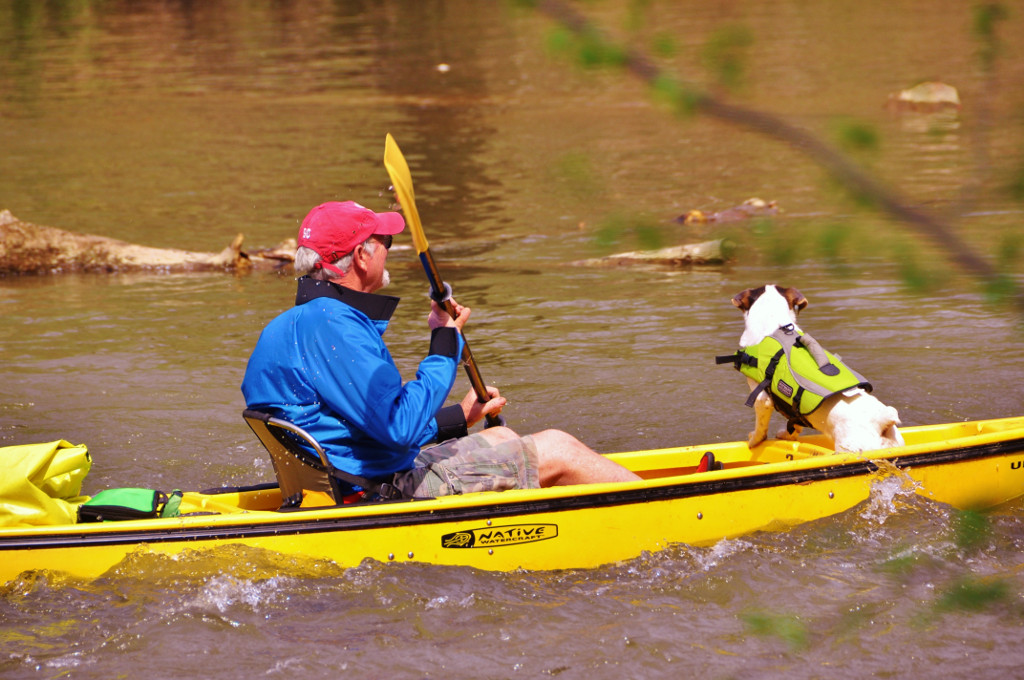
180	124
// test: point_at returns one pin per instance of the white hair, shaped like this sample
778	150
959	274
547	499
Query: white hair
306	260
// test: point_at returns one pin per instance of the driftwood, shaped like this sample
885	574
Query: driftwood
27	248
707	253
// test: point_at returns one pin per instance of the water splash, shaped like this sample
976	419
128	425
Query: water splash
722	551
224	592
890	487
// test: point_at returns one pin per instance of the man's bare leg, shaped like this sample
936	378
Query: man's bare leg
566	460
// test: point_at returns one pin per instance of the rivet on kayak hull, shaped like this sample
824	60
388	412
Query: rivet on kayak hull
410	554
488	522
831	495
490	551
700	515
391	556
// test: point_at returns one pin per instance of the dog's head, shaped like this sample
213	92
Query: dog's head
766	309
745	300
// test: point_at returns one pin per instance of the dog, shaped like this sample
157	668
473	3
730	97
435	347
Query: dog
852	418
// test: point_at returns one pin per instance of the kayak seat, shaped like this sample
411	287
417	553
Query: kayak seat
302	475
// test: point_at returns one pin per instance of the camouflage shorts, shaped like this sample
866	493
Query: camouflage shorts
471	464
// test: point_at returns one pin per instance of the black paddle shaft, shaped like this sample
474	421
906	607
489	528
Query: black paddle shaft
442	294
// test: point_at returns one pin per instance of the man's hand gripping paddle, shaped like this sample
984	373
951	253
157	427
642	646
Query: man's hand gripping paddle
440	291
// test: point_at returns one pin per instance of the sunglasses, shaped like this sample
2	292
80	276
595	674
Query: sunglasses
385	240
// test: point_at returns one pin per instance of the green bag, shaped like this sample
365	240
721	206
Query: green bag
112	505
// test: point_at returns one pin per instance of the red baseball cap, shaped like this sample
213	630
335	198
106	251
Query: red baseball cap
334	229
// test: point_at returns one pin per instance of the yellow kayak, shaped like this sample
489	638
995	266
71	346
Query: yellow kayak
778	484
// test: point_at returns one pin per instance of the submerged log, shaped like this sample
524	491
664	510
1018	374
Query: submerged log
706	253
27	248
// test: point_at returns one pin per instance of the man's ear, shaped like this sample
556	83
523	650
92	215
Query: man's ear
361	256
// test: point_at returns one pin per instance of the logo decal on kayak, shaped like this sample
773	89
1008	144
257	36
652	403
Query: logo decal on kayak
491	537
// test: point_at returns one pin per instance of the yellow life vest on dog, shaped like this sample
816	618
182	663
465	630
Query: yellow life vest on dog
797	373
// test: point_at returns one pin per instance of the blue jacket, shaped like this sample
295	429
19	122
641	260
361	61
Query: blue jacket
323	366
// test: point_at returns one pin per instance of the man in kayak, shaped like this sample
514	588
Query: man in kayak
323	366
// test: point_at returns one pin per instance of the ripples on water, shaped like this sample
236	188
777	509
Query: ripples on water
896	587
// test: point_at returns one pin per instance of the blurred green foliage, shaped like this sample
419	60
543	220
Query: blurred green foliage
589	49
724	55
787	627
1015	187
973	594
632	231
916	277
856	136
681	99
665	45
987	17
971	530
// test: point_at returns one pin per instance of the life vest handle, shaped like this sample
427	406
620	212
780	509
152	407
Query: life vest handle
818	354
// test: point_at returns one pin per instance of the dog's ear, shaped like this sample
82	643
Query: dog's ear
795	298
747	299
743	300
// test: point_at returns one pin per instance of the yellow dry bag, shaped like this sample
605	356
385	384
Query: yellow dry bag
41	484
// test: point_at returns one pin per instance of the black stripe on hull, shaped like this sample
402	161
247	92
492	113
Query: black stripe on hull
200	534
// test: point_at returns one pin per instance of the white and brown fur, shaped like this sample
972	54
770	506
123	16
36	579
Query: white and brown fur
853	419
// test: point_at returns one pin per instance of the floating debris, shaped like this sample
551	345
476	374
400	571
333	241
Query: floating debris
925	97
706	253
752	207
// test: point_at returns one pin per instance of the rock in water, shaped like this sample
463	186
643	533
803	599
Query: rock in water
925	97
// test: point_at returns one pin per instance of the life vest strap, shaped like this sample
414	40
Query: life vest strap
769	373
793	413
737	358
727	359
761	387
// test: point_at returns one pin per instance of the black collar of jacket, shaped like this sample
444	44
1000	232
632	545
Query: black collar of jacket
377	307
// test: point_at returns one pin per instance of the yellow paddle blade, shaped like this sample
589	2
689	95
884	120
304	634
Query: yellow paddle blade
398	170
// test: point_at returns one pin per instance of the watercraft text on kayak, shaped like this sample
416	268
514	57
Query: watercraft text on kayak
490	537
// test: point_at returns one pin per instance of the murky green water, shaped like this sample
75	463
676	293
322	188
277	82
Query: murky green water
181	124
